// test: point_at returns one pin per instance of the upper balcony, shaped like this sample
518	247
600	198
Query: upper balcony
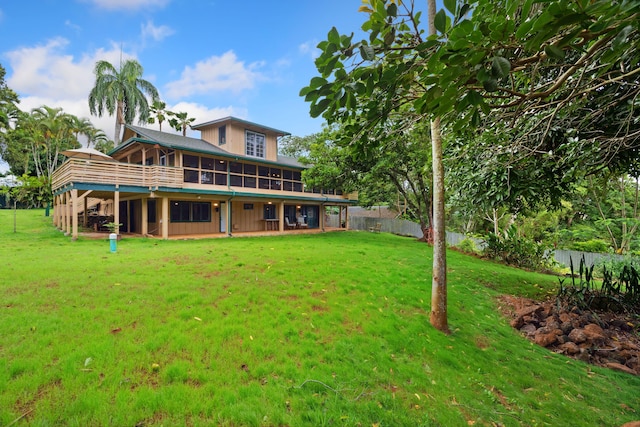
251	180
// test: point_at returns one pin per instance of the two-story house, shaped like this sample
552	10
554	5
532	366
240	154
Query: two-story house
231	180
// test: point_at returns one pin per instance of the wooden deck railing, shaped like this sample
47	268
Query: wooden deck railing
114	173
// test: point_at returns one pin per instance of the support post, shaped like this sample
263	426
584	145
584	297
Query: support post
165	218
281	216
74	214
116	211
145	217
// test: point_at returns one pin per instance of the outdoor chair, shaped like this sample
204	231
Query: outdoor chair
301	223
288	224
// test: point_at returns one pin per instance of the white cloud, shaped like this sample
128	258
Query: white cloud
309	48
47	71
47	75
129	4
202	114
217	73
150	31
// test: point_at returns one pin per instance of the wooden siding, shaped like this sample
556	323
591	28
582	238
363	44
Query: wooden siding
247	219
235	136
184	228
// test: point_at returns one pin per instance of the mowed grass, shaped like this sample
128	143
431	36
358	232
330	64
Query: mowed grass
326	329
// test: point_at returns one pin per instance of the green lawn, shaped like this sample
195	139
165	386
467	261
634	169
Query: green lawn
325	329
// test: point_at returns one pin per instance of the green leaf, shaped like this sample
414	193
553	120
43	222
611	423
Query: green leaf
622	36
474	98
367	52
526	8
463	10
440	21
316	82
451	6
389	37
392	10
319	108
334	36
523	31
303	92
500	66
554	51
490	85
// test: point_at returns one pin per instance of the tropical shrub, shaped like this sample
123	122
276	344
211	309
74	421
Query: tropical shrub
513	249
592	245
618	292
467	245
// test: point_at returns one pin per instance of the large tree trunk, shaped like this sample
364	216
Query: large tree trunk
438	316
119	122
439	282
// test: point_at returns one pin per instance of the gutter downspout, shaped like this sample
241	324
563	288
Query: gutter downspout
229	224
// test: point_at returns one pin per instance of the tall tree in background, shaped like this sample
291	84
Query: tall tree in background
123	92
51	131
181	122
489	63
159	113
8	101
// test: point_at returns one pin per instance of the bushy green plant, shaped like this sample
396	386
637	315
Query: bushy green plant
618	291
616	264
592	245
467	245
513	249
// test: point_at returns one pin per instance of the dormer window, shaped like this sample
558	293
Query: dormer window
222	135
254	144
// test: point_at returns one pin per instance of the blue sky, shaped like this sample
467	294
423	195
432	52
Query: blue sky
210	58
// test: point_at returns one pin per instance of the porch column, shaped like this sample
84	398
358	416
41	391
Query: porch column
116	211
84	217
322	214
281	216
66	213
165	218
74	214
55	218
346	217
61	212
145	217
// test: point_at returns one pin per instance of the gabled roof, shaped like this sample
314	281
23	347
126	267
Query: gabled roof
237	120
179	142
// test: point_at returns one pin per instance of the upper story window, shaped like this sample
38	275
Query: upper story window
254	144
222	135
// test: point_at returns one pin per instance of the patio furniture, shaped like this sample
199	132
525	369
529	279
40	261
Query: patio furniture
302	223
288	225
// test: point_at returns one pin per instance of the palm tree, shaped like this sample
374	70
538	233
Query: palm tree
181	123
82	126
95	137
122	92
159	113
52	131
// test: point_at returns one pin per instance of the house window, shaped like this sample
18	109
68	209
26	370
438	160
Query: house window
151	210
254	144
269	212
190	211
222	135
189	161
